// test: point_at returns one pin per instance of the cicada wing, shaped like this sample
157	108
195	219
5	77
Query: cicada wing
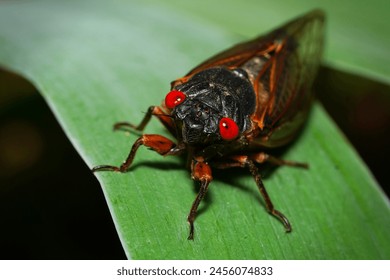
284	83
295	67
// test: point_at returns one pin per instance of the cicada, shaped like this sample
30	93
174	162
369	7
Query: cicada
232	109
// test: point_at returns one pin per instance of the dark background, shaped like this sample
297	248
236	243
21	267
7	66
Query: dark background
52	207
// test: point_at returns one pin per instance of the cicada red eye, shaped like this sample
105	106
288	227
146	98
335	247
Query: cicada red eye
228	129
174	98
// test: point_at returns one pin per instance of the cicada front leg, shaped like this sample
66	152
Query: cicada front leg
157	143
156	111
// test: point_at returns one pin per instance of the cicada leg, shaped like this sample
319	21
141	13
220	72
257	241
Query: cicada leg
249	162
200	171
240	161
158	143
263	157
268	203
165	119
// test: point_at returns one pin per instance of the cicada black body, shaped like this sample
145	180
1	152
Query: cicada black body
225	112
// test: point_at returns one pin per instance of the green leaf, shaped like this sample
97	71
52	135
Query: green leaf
97	64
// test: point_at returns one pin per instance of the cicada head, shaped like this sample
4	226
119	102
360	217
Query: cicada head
214	105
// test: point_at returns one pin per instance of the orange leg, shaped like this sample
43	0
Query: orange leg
263	157
164	118
249	162
268	203
158	143
200	171
240	161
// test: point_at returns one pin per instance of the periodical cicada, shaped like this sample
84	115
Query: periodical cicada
232	109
